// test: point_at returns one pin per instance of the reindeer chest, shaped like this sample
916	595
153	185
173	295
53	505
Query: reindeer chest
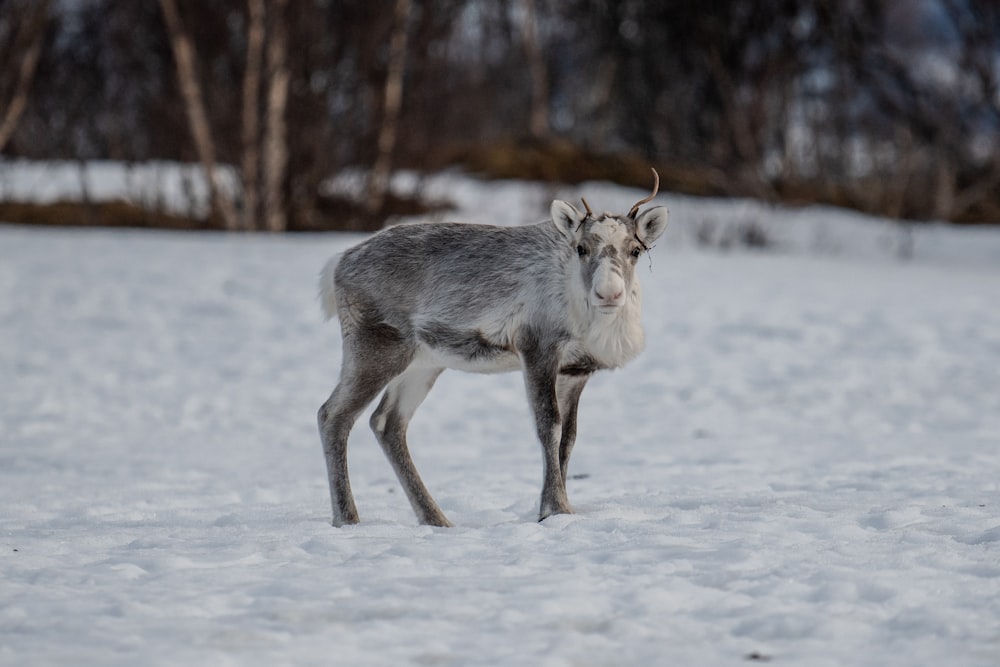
609	341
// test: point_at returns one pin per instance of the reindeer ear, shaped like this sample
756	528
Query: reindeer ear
567	219
651	224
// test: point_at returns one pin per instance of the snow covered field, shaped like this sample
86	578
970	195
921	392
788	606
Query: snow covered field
803	467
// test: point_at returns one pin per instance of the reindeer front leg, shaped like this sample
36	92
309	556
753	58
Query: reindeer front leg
541	367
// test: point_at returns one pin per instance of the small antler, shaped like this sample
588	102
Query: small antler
656	188
590	214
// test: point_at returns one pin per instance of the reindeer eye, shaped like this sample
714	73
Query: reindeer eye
636	252
581	251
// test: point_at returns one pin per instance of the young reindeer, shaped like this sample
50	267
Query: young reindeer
558	300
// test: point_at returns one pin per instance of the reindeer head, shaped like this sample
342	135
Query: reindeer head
608	247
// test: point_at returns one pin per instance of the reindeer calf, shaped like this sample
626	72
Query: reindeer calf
558	300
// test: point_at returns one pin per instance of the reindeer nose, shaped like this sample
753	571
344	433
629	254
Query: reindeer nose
614	298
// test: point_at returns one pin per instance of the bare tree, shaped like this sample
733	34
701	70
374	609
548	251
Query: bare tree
251	112
184	55
378	183
539	120
264	150
979	28
32	36
275	137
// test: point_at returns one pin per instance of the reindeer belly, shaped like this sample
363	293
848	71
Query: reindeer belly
464	349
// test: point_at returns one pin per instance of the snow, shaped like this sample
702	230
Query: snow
802	467
165	186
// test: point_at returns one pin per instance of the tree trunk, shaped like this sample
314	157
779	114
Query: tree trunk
33	31
276	134
250	219
378	183
194	103
538	123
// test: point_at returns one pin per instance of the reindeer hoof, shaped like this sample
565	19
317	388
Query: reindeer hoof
345	518
546	513
438	519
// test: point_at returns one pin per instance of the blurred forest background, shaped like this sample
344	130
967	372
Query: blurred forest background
886	106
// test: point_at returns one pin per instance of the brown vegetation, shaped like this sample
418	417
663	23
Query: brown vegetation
100	214
331	214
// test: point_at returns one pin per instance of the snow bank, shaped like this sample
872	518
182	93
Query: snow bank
700	221
695	221
179	189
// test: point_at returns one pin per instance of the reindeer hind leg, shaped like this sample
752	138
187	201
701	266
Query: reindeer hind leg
402	397
370	363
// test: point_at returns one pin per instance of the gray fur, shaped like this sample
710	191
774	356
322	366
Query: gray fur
413	300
